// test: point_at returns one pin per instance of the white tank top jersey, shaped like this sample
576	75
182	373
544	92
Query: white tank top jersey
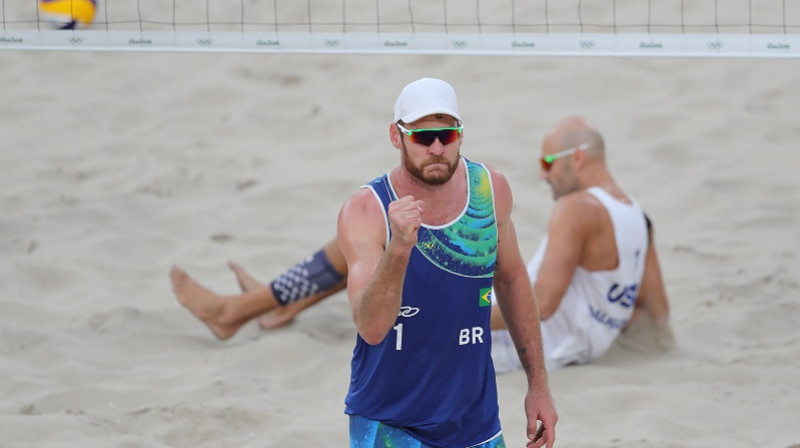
597	305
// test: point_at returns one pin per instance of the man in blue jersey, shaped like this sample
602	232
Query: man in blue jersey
424	244
425	248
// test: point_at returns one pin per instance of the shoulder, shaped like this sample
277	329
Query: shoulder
579	201
493	171
579	209
361	221
362	204
501	189
498	179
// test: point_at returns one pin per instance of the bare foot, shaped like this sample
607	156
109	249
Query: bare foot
202	302
270	320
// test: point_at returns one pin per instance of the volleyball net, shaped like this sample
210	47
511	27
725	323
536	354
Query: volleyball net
703	28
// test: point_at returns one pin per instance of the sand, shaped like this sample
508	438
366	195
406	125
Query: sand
116	166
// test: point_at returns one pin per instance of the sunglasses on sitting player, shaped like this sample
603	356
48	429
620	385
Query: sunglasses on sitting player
547	161
427	136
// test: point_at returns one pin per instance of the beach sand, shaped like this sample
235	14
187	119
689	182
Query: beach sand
116	166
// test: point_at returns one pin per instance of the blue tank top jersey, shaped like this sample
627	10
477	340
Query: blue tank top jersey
432	375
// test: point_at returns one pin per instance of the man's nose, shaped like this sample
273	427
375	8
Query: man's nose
436	147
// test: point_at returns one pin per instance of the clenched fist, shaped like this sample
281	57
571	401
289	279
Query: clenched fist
405	218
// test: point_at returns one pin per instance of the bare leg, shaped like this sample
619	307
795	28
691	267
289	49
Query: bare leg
273	319
281	315
284	315
223	315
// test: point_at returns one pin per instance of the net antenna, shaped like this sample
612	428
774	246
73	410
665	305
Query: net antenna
667	28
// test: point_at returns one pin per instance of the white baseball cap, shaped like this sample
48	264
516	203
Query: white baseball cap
423	97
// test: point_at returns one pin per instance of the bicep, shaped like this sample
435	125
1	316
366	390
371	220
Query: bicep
511	283
360	235
510	265
564	248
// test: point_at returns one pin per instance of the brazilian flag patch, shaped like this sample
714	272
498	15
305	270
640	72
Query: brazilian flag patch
485	298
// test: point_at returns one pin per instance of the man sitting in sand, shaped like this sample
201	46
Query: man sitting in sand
594	274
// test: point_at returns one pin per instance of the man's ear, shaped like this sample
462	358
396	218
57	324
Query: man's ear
395	136
579	159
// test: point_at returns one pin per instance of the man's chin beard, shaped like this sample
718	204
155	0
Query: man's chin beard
439	178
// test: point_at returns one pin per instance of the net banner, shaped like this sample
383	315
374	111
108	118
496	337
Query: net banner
542	27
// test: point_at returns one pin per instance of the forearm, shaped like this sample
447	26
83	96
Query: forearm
546	305
652	294
657	307
378	305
